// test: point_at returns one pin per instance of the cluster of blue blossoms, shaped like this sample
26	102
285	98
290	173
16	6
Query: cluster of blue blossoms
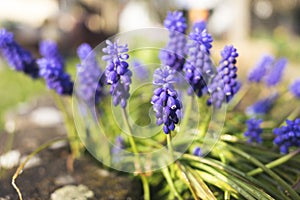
117	73
254	130
224	85
89	75
288	136
173	54
51	68
165	100
17	57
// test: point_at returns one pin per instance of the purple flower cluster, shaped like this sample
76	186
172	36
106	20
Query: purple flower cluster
52	69
139	70
197	152
117	73
165	100
198	67
224	85
295	88
88	73
275	75
17	57
261	68
288	136
254	130
174	53
263	106
268	70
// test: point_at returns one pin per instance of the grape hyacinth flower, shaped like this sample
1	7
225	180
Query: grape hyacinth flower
197	152
117	149
89	73
261	69
224	85
201	26
17	57
117	73
49	50
276	72
173	54
165	100
198	67
263	106
295	88
254	130
52	70
139	70
288	136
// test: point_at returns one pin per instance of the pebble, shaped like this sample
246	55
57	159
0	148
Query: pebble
46	117
32	162
72	192
10	159
64	180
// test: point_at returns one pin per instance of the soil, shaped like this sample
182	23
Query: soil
52	172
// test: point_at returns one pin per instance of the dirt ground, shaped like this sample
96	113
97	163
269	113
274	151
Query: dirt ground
51	172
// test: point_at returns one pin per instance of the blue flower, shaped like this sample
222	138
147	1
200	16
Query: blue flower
263	106
198	67
224	85
197	151
295	88
117	73
165	100
201	26
288	136
89	75
49	50
139	70
173	54
52	70
261	69
276	72
175	21
254	130
17	57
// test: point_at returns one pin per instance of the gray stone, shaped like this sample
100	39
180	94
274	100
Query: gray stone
72	192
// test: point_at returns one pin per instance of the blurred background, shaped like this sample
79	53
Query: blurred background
255	27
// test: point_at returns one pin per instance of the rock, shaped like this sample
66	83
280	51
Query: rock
10	159
46	116
72	192
64	180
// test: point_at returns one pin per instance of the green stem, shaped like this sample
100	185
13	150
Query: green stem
74	141
146	187
238	97
187	114
275	163
168	177
277	178
170	147
130	136
137	158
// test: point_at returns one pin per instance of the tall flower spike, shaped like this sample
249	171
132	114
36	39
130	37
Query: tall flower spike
295	88
17	57
276	72
52	70
88	73
165	100
263	106
224	85
261	69
49	50
117	73
173	54
198	67
288	136
254	130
